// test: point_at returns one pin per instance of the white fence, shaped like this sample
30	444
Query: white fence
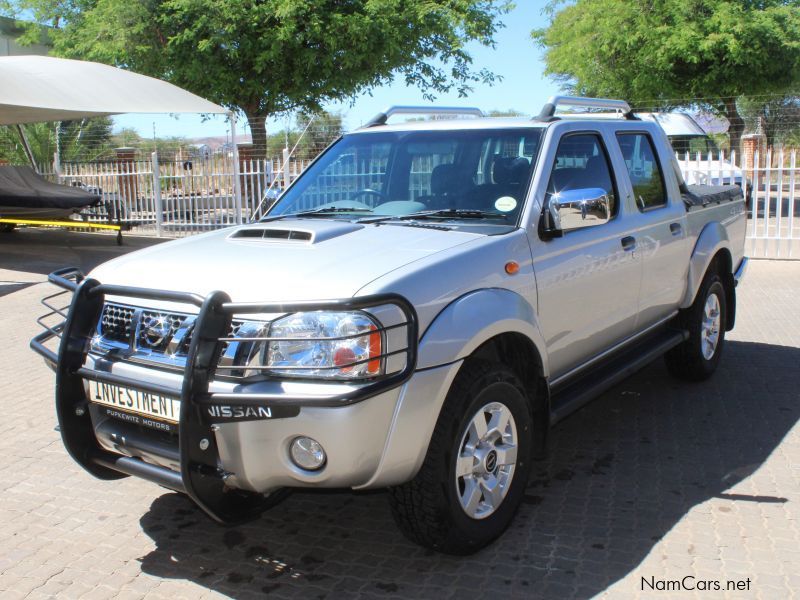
176	198
772	180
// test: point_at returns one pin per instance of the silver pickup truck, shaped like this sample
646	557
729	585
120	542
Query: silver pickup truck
414	313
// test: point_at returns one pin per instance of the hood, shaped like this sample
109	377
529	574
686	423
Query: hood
278	261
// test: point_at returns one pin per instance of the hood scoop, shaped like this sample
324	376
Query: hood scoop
272	234
310	233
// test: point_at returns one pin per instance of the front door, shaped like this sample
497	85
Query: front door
588	280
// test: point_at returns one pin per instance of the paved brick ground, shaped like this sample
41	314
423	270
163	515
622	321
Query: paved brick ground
656	479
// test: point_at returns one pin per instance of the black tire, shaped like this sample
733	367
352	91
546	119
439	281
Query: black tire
687	360
7	227
427	509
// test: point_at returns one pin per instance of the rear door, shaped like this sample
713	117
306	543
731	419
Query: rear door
588	280
659	226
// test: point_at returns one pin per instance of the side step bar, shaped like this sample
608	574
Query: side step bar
572	395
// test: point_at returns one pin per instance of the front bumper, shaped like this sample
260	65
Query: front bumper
217	464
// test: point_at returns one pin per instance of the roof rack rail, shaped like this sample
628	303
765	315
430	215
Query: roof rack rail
549	109
382	117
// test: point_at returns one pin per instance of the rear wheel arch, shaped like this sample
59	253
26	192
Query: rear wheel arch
711	243
722	264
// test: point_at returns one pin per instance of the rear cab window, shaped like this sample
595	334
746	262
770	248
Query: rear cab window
644	170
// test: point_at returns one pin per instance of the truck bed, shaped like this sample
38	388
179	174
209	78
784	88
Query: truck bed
703	195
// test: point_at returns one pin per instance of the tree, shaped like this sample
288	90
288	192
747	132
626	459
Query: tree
269	56
778	117
320	133
667	53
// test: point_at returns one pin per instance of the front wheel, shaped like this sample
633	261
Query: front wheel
697	358
474	475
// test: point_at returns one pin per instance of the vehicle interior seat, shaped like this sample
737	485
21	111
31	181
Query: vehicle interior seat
446	188
509	174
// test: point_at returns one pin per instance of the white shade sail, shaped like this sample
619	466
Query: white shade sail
43	88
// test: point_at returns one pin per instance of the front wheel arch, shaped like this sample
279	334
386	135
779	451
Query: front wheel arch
427	508
519	353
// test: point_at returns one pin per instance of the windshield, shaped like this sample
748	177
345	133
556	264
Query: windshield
477	174
693	144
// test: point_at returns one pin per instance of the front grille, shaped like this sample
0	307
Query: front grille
116	322
158	334
164	324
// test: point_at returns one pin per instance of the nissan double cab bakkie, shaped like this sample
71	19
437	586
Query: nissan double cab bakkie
414	313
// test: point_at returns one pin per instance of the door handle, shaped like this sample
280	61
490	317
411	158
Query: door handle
628	243
675	228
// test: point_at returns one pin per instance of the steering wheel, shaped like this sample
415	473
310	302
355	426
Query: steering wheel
367	192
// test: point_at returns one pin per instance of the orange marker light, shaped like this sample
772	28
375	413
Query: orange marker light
512	267
374	366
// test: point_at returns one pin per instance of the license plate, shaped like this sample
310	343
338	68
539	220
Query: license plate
155	406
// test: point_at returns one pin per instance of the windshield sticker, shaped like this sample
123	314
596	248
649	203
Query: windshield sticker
505	204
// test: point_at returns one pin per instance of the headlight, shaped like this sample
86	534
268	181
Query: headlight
332	345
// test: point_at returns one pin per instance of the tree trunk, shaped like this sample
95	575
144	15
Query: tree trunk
258	129
736	124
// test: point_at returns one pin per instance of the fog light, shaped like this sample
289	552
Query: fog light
307	453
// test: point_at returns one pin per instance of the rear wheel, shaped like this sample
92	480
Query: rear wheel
474	475
697	358
7	227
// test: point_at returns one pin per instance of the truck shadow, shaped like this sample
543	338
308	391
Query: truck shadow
42	251
621	473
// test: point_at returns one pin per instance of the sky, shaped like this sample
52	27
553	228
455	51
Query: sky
516	59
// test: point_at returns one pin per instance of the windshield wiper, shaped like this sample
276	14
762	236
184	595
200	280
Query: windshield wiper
445	213
319	212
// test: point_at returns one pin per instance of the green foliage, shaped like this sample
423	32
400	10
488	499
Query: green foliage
82	140
721	140
509	112
167	147
41	138
306	136
85	140
269	56
667	53
778	117
320	132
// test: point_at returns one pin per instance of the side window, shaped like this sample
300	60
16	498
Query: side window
581	163
644	169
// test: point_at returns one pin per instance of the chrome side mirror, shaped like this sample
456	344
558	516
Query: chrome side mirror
576	209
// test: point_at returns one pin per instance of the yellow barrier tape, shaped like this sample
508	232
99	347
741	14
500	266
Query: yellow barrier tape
76	224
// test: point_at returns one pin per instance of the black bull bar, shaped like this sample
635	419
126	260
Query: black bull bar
200	476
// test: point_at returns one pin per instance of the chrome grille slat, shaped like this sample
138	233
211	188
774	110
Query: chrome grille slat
123	327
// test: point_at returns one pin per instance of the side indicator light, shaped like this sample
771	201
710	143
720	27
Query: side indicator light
512	267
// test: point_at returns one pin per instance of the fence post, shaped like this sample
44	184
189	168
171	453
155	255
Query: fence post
127	179
237	184
57	166
751	143
287	178
159	204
